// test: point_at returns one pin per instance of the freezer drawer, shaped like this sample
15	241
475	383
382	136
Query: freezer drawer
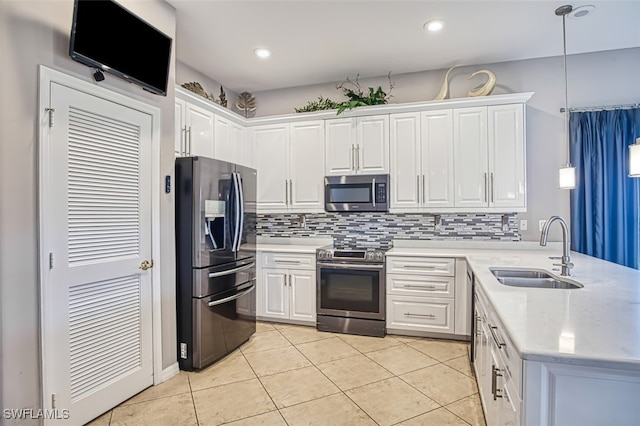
221	278
221	323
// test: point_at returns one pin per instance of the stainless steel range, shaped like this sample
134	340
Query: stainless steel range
351	291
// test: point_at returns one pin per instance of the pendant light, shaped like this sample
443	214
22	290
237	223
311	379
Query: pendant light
634	159
567	173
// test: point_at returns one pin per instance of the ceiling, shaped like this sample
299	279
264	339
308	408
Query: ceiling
325	41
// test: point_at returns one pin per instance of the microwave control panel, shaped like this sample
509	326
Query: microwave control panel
381	192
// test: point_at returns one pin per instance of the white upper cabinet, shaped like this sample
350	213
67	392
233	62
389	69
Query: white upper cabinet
405	164
272	162
436	157
179	129
290	163
372	144
422	160
306	166
357	145
341	146
230	142
489	147
470	157
193	130
507	156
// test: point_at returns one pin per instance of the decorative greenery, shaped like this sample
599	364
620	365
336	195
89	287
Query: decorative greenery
356	97
319	105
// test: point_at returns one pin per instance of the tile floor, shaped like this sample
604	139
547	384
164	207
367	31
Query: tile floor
291	375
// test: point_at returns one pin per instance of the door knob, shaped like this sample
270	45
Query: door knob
146	265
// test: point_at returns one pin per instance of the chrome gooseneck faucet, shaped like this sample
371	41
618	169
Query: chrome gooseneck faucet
565	261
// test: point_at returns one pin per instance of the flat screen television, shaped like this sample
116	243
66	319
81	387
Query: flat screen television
107	36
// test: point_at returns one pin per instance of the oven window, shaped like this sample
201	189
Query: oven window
350	290
350	193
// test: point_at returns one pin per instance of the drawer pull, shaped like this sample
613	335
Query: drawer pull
420	266
409	314
423	287
493	329
291	262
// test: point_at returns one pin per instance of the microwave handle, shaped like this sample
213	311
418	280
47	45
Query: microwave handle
373	191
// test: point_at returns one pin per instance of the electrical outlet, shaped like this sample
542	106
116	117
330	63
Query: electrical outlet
541	224
523	224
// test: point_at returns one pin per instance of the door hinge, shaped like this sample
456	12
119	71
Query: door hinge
50	111
183	350
50	260
54	400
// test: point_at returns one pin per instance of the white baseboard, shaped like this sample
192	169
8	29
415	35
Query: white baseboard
167	373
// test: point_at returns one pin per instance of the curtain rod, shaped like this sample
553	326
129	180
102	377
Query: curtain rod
602	108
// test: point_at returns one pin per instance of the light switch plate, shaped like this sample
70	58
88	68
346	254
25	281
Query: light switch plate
523	224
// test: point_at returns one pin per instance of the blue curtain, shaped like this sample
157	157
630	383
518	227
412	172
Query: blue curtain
605	205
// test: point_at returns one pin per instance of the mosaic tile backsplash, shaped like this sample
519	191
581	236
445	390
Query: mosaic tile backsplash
379	229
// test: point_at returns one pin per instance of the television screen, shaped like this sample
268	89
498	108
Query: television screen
105	35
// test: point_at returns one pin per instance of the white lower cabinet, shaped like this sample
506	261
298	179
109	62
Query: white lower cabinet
287	287
423	294
514	391
498	367
428	314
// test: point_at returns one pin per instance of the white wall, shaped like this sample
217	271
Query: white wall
603	78
34	33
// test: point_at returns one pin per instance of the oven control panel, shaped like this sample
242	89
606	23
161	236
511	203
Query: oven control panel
350	256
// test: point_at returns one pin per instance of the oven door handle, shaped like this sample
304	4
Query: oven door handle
234	297
350	266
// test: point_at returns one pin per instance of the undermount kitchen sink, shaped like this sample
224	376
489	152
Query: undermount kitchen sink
537	278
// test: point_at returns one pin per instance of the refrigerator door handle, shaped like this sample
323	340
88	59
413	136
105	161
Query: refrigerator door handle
239	211
234	297
231	271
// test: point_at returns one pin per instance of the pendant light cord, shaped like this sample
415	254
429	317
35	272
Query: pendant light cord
566	89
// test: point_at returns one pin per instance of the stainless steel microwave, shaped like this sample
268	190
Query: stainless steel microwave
357	193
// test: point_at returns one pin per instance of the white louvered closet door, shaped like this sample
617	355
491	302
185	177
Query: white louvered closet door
98	333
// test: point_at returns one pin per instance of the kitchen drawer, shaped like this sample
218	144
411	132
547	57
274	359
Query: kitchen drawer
420	285
421	265
508	352
288	260
429	314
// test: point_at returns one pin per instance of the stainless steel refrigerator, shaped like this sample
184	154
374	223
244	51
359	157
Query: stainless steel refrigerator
215	258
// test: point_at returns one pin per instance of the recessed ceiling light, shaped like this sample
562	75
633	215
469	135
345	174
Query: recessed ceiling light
262	53
433	26
582	11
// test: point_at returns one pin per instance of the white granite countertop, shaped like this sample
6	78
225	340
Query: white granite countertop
598	325
291	245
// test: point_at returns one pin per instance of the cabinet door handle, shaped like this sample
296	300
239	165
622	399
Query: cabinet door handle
492	187
291	191
289	280
423	190
493	329
495	373
353	157
188	141
418	188
358	157
485	187
286	192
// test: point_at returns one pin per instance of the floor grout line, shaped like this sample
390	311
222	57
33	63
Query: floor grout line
193	400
